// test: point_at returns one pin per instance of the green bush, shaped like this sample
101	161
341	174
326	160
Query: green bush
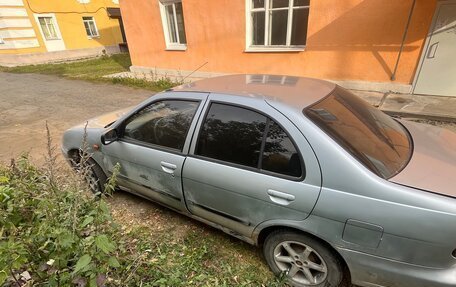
53	231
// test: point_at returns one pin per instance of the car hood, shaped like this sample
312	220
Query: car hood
106	119
432	166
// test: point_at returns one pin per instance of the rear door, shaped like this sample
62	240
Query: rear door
249	164
153	145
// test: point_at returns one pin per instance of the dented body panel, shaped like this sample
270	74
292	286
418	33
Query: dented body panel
390	232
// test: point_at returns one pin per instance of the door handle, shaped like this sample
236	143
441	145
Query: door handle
432	50
280	197
168	167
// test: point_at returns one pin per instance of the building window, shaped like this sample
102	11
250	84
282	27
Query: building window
277	24
90	27
173	24
1	41
48	27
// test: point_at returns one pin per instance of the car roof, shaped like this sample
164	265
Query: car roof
298	92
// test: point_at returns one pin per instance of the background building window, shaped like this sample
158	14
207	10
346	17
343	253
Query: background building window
173	24
90	27
278	23
1	41
48	28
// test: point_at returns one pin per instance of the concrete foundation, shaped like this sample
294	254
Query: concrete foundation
12	60
191	76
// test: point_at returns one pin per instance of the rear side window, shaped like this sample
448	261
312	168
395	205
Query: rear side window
163	123
245	137
232	134
280	154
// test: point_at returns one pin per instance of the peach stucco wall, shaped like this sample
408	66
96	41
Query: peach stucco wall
347	40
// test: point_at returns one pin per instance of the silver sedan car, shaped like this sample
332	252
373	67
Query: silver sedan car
326	184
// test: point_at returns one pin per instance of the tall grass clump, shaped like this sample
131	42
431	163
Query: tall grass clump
53	231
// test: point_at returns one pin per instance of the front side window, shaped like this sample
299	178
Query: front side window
376	140
244	137
278	23
164	123
173	23
90	27
48	27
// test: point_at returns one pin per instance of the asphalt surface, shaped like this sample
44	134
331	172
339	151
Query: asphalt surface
27	101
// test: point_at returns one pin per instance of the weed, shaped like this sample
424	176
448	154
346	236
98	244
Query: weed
54	232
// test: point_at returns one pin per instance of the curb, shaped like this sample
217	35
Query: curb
434	117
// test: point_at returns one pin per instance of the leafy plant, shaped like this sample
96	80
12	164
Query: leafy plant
53	231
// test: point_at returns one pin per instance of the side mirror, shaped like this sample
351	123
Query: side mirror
109	137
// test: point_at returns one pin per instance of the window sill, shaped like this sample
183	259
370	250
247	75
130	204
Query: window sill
265	49
176	48
92	37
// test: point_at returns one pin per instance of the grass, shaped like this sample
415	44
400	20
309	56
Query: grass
186	252
46	235
94	70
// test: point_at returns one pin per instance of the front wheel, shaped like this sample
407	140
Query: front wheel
303	259
95	177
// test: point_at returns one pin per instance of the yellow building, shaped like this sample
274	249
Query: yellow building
38	31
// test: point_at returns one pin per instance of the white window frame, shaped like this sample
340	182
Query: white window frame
54	25
92	19
1	41
170	45
268	47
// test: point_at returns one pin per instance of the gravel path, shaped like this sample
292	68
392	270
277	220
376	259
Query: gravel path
27	101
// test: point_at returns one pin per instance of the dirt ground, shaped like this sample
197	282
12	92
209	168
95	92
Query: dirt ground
27	101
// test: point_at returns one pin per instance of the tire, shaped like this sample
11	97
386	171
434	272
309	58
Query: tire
96	178
304	260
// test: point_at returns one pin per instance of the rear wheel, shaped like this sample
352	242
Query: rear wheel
303	259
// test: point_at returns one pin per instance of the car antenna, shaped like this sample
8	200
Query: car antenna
194	71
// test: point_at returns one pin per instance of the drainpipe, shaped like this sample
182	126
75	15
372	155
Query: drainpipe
393	76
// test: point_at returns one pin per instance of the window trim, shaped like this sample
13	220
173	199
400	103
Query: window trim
84	21
169	45
192	153
54	24
121	128
249	48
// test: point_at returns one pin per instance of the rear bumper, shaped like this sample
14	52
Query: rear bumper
368	270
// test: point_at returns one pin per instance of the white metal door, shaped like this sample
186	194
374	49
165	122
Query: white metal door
437	74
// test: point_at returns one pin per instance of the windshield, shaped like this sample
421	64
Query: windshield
376	140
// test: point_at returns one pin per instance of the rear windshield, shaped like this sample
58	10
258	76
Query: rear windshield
376	140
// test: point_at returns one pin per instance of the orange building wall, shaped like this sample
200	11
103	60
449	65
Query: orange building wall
347	40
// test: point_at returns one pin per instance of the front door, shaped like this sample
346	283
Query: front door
438	68
245	168
152	149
